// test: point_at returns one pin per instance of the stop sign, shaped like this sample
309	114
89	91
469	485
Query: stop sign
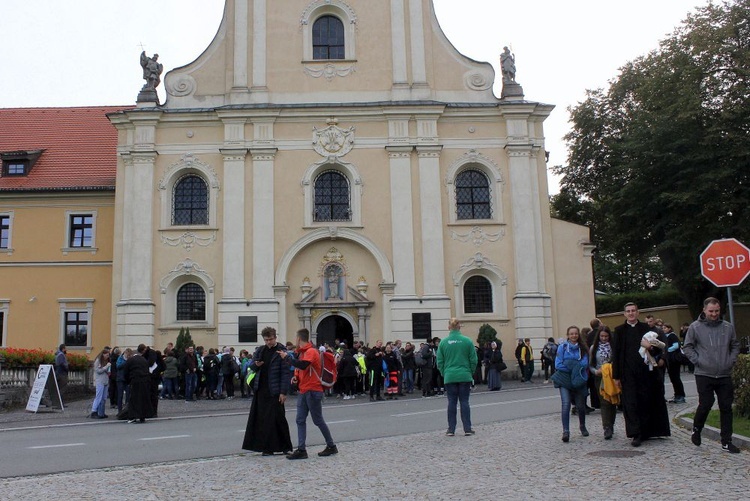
726	262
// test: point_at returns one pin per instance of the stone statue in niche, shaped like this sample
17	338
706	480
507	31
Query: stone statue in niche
334	282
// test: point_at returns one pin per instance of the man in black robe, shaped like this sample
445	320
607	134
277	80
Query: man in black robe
138	377
267	428
643	401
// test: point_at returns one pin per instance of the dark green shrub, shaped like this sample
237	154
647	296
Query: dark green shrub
741	381
615	303
487	334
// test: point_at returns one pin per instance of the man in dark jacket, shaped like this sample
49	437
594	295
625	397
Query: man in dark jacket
61	366
375	370
428	355
711	345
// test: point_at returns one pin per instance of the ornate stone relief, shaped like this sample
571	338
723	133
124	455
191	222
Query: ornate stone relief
478	236
188	240
479	261
333	141
475	80
330	70
181	85
305	19
333	273
187	267
189	161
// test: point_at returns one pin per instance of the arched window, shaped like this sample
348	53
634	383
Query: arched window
473	195
477	295
191	302
332	197
190	201
328	38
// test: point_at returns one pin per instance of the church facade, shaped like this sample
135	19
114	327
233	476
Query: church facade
338	166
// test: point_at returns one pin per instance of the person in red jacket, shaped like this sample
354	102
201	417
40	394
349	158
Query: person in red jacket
310	400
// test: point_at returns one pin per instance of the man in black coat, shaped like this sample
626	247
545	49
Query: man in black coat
374	364
642	386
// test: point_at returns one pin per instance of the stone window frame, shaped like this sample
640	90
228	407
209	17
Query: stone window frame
177	182
69	215
335	8
350	172
185	272
465	295
8	249
77	305
4	312
188	164
473	160
481	172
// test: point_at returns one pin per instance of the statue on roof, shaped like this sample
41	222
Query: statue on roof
152	70
508	66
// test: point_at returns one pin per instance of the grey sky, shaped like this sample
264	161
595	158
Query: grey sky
85	52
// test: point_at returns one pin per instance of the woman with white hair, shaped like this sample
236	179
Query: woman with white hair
493	360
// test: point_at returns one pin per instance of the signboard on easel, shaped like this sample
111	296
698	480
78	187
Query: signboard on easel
45	384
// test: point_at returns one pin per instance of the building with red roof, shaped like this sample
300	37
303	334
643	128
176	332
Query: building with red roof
57	199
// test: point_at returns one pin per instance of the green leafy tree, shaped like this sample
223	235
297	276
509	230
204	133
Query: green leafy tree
662	157
487	334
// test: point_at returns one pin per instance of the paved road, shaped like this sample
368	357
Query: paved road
521	458
199	430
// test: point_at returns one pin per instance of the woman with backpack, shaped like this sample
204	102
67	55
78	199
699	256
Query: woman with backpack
211	371
571	374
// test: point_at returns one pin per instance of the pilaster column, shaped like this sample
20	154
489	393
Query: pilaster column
233	225
430	190
240	45
398	50
259	90
416	28
263	222
402	219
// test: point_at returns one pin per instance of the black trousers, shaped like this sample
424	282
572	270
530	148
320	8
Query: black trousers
376	382
724	390
673	369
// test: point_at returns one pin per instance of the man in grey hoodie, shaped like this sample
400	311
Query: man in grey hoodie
711	345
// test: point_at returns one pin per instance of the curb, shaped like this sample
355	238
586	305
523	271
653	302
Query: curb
740	441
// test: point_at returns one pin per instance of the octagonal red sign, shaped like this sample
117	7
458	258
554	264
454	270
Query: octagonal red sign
726	262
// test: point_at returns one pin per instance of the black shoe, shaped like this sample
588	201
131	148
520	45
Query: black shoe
607	433
372	399
566	436
589	410
330	450
379	398
469	433
584	431
103	416
696	437
730	447
636	442
298	454
574	411
94	415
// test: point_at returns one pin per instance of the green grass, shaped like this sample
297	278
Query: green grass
740	425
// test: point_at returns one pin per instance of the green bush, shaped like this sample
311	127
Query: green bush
614	303
741	381
184	339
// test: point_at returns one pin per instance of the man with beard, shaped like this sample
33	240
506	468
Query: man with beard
643	401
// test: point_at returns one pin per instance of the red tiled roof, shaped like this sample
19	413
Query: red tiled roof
80	147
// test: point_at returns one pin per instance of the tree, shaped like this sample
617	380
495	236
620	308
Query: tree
184	339
663	155
487	334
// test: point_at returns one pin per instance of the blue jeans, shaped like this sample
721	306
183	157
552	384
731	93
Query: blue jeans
408	380
580	400
100	399
311	402
191	380
123	392
458	392
169	387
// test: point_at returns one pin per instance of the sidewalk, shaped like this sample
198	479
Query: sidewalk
515	459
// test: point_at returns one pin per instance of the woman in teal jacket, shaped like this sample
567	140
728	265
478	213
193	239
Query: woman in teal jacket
572	363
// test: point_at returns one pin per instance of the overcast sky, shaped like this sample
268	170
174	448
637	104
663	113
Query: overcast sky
85	52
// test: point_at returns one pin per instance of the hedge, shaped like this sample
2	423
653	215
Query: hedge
615	303
741	381
19	357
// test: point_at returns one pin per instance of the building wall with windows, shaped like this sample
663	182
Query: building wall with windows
337	166
56	227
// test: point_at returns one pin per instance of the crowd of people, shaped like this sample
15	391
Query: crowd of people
622	369
626	368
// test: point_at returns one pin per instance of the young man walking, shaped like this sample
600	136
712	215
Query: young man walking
456	360
711	345
310	400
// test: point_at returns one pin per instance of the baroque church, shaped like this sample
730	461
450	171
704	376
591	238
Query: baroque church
340	166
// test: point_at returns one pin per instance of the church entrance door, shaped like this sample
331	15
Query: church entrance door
335	327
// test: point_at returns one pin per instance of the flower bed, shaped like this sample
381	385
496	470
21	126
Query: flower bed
19	357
